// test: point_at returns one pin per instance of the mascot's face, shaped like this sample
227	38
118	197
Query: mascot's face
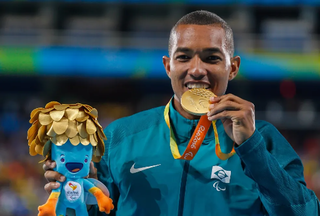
72	161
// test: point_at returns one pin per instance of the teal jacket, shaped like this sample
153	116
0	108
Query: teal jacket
265	177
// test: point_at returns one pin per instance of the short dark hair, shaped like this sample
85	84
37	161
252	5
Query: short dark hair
202	17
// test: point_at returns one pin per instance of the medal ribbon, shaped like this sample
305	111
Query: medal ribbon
196	139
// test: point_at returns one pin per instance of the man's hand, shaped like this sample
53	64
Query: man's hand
236	114
53	176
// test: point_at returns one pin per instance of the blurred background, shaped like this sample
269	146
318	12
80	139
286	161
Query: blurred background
108	54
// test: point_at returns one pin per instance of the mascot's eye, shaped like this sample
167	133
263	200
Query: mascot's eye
62	160
86	159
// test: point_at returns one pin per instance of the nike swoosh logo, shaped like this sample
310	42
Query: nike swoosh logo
136	170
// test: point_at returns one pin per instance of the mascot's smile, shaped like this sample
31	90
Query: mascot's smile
74	167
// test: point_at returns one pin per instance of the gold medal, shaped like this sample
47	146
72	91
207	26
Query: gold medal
196	101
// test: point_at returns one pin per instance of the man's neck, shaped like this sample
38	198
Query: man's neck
178	107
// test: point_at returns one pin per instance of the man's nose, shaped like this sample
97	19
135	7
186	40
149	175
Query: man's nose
197	68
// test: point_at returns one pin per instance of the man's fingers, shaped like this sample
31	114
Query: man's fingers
227	97
49	165
226	114
53	176
219	107
50	186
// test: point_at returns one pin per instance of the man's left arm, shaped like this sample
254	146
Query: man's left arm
266	157
271	162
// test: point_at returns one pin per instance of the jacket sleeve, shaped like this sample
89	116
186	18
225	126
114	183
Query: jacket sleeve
105	176
271	162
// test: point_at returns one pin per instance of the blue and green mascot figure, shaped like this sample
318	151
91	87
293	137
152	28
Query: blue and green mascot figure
71	135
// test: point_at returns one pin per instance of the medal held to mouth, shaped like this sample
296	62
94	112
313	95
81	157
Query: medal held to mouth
196	101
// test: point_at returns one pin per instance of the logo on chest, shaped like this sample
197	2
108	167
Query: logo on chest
72	191
221	176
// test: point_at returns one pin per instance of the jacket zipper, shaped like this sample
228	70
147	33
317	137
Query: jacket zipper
183	187
184	181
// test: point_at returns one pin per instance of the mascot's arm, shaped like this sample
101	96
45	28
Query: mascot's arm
49	208
104	202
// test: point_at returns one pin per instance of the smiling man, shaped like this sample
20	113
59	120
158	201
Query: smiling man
244	166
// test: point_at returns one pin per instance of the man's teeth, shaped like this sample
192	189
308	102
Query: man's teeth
197	85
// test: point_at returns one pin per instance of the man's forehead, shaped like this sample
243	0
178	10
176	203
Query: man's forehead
200	37
189	29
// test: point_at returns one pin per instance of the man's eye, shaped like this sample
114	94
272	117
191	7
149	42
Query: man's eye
183	57
213	58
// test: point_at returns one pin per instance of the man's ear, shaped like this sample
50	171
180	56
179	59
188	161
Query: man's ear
166	64
235	65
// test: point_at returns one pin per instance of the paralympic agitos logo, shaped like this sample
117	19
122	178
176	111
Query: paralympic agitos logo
222	176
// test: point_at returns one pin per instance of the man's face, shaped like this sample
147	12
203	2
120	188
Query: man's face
199	58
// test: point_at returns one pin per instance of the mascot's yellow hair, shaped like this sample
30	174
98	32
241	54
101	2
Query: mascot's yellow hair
57	123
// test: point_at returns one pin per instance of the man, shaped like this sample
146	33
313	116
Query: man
264	177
